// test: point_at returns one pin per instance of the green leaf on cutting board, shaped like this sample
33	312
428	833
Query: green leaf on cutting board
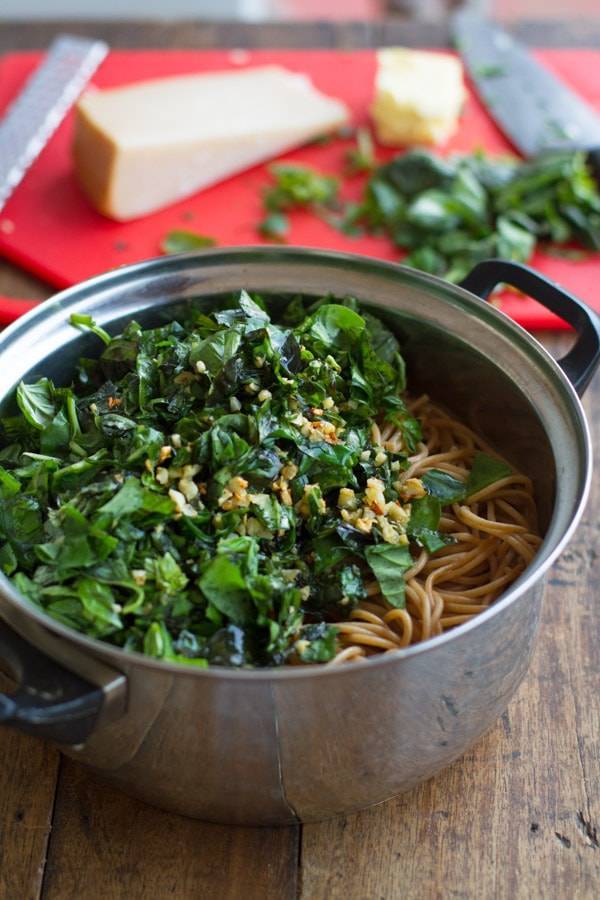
182	241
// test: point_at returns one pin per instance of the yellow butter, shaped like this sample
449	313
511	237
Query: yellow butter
418	96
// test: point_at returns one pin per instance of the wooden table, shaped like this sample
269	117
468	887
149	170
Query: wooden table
517	817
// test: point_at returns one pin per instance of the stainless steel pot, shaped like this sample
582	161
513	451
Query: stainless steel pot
278	746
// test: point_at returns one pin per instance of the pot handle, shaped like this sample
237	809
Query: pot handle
50	702
582	360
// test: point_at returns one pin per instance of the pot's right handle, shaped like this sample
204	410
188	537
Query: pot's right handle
582	360
50	701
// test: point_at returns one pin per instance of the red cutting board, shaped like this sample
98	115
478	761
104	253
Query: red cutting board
48	227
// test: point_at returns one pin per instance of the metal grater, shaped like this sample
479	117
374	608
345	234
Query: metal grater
38	110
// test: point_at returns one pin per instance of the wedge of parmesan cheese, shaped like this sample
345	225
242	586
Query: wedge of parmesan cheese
141	147
418	97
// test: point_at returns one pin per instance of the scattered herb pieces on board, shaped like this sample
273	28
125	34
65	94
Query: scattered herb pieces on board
450	213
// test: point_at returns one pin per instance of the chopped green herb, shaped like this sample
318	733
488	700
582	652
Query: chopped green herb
182	241
361	158
449	214
274	226
299	187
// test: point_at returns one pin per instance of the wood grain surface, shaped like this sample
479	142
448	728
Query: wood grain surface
517	817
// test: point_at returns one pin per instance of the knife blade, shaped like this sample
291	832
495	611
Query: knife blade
536	110
38	110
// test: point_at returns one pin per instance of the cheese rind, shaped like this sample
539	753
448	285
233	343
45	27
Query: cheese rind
418	97
139	148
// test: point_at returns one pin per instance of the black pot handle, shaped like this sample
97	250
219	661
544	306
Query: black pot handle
582	360
50	702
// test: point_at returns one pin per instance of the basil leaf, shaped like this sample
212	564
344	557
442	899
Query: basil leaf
224	586
388	563
423	523
485	471
133	497
336	326
36	402
445	487
183	241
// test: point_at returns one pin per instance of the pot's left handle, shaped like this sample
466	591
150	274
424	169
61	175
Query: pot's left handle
50	701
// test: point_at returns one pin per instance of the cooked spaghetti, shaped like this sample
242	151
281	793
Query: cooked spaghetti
494	537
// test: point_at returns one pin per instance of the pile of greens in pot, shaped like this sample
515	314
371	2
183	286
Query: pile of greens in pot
208	491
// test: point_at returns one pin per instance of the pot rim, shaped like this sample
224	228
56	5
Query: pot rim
532	574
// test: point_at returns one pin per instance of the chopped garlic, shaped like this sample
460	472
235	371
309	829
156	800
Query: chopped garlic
347	499
235	494
162	476
182	506
188	488
303	505
165	452
139	576
374	495
389	532
320	431
234	404
412	489
254	528
395	512
380	458
176	441
264	395
290	574
363	524
200	367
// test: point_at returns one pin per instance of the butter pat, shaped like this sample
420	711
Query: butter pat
418	97
139	148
